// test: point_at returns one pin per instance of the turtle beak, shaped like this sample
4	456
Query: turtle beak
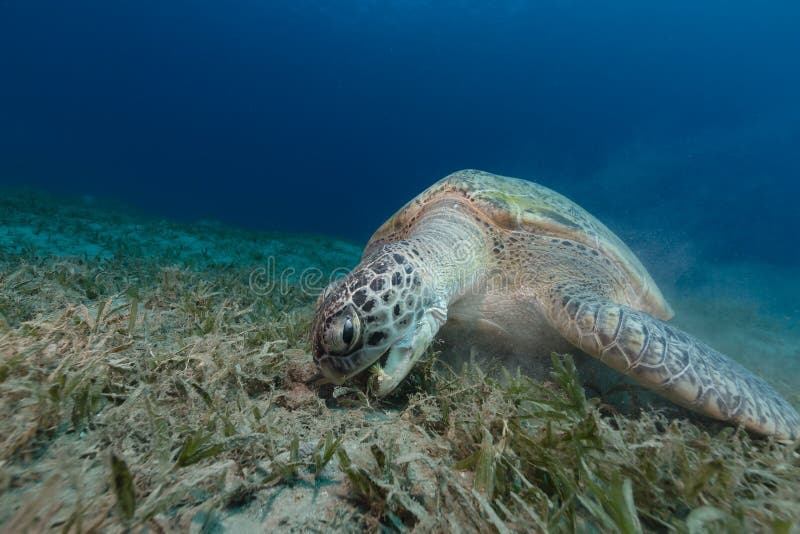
338	369
403	355
399	362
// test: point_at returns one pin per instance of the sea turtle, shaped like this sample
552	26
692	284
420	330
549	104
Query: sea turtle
509	258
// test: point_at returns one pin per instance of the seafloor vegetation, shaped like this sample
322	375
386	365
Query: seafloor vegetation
145	385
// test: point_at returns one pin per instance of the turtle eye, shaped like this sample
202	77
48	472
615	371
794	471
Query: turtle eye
348	330
344	334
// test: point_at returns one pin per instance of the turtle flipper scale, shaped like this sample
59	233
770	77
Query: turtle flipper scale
671	362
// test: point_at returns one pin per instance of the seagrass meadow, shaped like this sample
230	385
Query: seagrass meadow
148	384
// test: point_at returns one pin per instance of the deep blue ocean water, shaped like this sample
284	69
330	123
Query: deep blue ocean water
669	120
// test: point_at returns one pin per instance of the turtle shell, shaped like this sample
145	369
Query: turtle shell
520	205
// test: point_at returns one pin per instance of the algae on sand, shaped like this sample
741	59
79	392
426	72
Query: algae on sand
145	383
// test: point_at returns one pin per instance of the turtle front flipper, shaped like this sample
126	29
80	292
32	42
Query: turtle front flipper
671	362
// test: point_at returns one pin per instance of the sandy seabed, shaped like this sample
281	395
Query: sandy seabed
154	378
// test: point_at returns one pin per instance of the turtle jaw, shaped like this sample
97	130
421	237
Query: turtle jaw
389	367
393	367
339	369
405	353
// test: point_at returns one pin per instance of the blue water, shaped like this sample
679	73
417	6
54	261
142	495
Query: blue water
677	119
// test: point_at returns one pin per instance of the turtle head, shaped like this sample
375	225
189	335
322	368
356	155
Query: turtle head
377	314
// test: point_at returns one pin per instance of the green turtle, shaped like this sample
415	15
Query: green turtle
508	259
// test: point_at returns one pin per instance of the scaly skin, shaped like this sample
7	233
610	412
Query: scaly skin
672	363
478	232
